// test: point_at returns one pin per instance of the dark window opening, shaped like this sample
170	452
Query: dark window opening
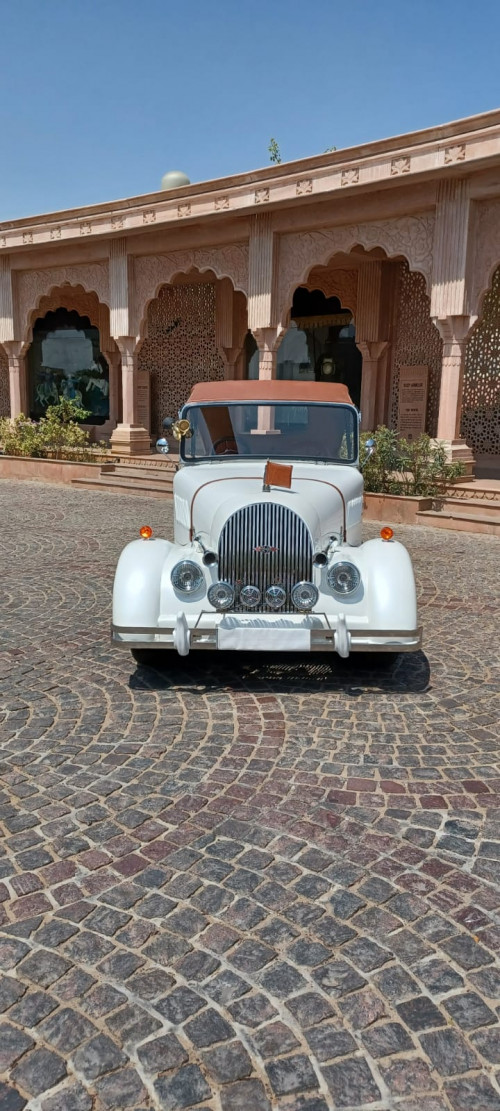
65	360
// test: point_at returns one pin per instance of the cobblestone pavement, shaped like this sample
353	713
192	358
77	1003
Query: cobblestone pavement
242	884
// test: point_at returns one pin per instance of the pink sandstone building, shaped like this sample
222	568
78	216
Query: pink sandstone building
378	266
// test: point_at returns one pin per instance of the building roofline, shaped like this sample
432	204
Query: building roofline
426	137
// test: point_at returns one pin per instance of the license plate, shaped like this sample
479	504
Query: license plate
244	638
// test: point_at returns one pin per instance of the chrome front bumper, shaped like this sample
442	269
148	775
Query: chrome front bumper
264	632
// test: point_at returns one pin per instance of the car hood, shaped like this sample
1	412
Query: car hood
325	497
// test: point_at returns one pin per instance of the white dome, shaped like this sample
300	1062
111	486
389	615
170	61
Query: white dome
174	179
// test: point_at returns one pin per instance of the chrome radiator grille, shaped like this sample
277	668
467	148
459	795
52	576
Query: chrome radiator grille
262	545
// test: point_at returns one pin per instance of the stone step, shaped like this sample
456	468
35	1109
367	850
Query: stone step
138	474
459	521
487	492
114	484
473	506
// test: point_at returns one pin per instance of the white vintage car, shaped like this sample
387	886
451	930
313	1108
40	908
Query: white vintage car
267	552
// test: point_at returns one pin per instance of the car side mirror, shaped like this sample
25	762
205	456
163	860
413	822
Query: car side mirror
162	446
369	449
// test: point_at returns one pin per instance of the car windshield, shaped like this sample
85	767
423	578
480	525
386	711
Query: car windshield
310	431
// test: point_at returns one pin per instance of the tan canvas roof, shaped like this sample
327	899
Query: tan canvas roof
268	390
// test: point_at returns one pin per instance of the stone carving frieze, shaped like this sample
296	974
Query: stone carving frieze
409	236
32	285
486	250
153	271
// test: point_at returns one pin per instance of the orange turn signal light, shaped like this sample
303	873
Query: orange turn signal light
146	532
386	533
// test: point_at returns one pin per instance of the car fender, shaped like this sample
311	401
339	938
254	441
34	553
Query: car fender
137	585
389	584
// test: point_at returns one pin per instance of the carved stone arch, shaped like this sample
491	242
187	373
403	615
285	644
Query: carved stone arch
151	272
33	285
486	253
340	283
410	237
76	298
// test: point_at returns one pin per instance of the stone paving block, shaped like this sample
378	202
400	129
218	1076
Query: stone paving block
98	1056
327	1042
448	1052
227	1063
162	1054
13	1043
292	1074
39	1071
207	1028
10	1099
185	1089
121	1089
351	1083
66	1030
473	1092
71	1098
246	1095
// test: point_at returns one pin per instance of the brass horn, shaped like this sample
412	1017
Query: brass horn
181	429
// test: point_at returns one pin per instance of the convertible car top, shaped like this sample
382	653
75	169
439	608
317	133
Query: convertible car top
262	389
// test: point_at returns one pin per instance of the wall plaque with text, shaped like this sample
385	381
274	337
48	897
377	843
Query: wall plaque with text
412	403
143	399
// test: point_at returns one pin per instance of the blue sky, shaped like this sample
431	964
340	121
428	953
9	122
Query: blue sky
99	99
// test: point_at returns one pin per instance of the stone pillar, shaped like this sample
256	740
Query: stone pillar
129	437
17	378
262	293
453	331
113	357
450	307
372	352
267	340
371	337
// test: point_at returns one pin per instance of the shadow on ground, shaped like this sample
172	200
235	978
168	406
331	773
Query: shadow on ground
406	673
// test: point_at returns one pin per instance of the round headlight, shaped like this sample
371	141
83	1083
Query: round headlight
221	595
304	595
250	596
275	597
343	578
162	446
187	577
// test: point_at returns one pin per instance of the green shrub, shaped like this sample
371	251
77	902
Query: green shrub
57	435
410	468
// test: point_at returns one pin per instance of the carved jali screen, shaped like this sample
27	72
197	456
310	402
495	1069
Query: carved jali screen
480	425
416	343
180	347
4	385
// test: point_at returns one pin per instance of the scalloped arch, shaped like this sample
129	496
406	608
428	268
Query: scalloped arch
151	272
410	237
34	285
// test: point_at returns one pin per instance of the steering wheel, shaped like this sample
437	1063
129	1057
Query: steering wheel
227	445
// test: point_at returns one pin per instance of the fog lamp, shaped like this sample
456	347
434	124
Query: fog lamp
343	578
221	595
250	596
187	577
275	597
304	595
